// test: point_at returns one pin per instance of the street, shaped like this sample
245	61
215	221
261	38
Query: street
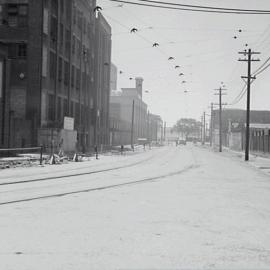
183	207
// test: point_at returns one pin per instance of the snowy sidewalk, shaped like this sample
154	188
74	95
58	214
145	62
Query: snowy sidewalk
256	160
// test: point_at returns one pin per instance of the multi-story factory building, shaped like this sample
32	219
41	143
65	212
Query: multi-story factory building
49	61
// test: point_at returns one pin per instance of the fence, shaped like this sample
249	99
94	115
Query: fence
16	152
260	141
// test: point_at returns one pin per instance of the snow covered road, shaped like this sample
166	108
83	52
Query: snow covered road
168	208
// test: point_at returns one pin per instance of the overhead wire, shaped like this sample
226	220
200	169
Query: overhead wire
203	7
190	9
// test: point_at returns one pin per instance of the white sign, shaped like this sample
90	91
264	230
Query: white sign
68	123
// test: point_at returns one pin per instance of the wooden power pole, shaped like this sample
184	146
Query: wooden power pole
220	94
249	54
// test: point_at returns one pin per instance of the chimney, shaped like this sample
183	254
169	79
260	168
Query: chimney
139	82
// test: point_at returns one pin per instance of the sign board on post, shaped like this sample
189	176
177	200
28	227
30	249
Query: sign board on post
68	123
236	127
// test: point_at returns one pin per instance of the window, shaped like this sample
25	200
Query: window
73	44
62	8
72	109
22	50
88	30
74	15
61	41
51	107
65	107
53	32
78	79
17	50
54	7
52	65
66	79
45	21
84	25
68	10
44	61
77	113
1	15
60	69
79	48
72	76
59	109
23	15
67	43
79	20
17	15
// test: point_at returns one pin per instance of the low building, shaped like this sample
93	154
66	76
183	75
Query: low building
126	105
233	129
130	119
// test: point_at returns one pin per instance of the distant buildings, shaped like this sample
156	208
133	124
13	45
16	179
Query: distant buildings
55	58
233	129
127	107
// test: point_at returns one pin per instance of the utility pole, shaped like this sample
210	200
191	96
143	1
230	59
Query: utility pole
211	123
132	126
164	132
148	127
201	129
249	53
204	128
220	94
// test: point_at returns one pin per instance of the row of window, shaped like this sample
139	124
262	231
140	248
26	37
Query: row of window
81	22
62	110
78	50
64	72
14	15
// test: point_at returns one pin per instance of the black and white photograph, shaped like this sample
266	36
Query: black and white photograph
134	134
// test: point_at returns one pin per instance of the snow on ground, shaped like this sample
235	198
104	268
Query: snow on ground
195	209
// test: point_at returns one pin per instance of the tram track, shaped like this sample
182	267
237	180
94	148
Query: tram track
20	191
50	178
141	181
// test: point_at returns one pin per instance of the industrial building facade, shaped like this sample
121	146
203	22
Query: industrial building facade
129	117
53	69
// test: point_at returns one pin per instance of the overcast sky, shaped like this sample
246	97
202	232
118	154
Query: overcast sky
202	44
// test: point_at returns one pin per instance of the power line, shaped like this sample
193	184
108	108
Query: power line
190	9
239	96
263	69
257	71
205	7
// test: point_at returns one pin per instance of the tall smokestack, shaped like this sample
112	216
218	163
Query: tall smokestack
139	82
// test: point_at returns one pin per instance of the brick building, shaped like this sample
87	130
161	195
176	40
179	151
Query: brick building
146	125
102	80
52	64
4	124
